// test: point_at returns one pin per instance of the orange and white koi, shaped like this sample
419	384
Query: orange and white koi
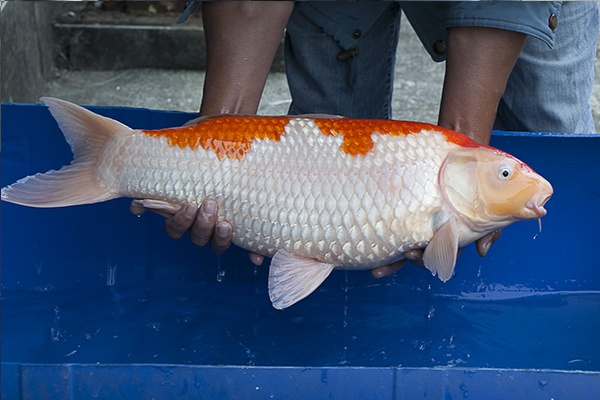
313	193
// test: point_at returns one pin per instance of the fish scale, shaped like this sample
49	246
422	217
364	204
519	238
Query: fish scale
312	193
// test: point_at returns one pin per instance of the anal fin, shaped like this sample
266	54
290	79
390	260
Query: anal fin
292	278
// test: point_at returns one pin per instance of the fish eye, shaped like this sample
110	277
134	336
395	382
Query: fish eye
505	172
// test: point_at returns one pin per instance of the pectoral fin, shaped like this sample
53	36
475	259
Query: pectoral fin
293	278
440	254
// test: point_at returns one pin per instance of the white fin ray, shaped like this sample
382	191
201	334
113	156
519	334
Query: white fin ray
441	252
292	278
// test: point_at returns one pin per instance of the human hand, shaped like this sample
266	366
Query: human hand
415	256
201	222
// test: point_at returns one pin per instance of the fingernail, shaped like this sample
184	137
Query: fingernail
190	211
486	247
209	208
222	231
377	273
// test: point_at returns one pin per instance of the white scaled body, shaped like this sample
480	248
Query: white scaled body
300	193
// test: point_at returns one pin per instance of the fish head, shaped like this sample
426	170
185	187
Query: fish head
491	188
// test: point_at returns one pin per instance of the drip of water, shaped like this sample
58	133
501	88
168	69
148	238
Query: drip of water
55	334
155	326
431	312
111	279
220	272
251	356
346	299
343	360
111	275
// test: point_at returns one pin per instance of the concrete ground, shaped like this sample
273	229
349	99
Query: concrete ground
417	87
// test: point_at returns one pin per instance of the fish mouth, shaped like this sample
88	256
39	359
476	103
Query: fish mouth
536	204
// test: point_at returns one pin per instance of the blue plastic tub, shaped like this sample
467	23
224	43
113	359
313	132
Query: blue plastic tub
98	303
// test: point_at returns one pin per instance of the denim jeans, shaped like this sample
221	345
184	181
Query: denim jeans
549	89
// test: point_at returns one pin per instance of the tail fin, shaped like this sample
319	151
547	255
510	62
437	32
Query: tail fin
76	183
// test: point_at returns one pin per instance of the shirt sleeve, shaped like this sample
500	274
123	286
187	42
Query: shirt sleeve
430	20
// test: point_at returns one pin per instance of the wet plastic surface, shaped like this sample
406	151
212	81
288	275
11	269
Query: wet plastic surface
97	303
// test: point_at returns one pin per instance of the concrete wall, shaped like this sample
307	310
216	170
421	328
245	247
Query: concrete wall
26	48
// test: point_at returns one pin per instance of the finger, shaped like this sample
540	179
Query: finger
162	208
137	207
181	222
257	259
204	225
415	256
221	239
483	245
387	270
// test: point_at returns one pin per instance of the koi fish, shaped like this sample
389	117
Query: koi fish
313	193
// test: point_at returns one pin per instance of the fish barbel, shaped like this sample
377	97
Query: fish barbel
313	193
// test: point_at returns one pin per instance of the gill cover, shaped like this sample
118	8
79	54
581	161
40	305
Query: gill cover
458	182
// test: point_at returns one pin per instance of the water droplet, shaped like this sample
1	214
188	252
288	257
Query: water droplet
464	390
71	353
111	275
55	333
155	326
431	313
220	272
186	319
345	323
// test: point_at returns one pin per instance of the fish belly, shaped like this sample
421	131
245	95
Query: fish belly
300	193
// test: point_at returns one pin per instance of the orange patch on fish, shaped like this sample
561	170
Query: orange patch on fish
357	132
231	136
228	136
